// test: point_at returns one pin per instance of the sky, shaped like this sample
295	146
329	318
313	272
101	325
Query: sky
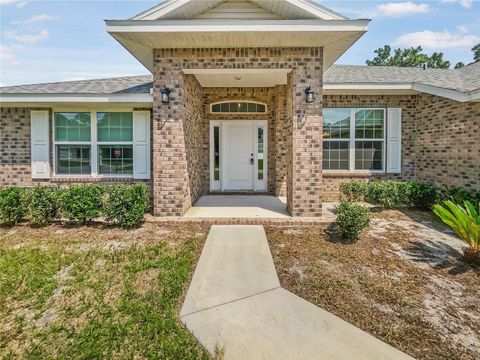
46	41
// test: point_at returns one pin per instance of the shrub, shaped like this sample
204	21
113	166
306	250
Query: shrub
390	194
352	219
44	204
126	204
459	195
13	205
353	191
82	203
422	195
466	223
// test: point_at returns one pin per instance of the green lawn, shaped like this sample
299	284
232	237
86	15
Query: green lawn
96	292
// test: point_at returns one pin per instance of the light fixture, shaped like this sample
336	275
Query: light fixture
310	95
238	77
165	95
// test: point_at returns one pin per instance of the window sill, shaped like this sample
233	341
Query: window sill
339	174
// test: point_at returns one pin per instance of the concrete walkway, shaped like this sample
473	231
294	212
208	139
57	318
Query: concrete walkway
235	302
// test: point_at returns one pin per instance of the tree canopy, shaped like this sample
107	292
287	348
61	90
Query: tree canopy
409	57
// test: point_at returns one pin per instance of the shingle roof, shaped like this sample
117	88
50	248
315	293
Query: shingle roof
119	85
466	79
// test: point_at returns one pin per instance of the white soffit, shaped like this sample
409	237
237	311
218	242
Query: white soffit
240	77
141	37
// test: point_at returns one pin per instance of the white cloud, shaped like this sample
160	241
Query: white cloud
437	40
7	53
26	38
19	3
397	9
33	19
462	29
464	3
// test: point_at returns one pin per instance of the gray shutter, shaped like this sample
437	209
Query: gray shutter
40	155
141	145
394	140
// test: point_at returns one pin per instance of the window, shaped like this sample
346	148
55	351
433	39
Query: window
238	107
354	139
115	143
73	143
216	153
260	152
91	143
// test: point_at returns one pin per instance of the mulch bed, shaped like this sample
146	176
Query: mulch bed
404	281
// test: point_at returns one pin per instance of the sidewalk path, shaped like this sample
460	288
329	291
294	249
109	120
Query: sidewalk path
235	302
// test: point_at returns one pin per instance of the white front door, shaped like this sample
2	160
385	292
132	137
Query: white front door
239	149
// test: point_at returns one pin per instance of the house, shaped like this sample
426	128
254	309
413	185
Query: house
244	96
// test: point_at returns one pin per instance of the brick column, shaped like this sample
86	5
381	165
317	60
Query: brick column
169	165
305	175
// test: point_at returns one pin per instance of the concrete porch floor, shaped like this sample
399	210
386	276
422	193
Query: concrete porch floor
246	207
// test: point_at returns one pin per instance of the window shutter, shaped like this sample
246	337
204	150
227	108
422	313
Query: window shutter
394	140
40	156
141	144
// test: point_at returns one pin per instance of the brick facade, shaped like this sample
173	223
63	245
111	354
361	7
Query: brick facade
440	137
173	189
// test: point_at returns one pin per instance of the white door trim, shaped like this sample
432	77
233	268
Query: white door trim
220	185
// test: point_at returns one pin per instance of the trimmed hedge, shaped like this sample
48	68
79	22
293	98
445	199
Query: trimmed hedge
13	205
82	203
44	204
393	194
124	205
352	219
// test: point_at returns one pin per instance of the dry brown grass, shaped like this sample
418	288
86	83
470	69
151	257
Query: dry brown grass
405	282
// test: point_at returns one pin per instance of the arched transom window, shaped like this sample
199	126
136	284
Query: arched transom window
238	107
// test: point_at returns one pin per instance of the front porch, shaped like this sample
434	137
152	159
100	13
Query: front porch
219	209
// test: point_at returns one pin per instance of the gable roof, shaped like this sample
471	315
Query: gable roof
461	84
286	9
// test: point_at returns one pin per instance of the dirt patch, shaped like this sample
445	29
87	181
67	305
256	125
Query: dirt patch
144	280
405	282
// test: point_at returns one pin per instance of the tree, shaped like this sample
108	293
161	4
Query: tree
476	53
409	57
459	65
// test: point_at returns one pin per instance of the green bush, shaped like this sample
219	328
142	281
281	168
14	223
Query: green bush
422	195
44	204
352	219
465	221
126	204
12	205
82	203
390	194
459	195
353	191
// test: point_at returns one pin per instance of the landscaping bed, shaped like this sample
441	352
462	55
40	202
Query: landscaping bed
97	291
404	281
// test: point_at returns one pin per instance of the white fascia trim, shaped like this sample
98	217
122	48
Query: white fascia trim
179	26
368	86
76	98
423	88
165	8
316	9
160	10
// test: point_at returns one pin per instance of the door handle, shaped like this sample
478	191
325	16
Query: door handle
252	160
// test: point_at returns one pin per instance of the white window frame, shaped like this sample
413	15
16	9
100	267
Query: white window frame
238	101
93	143
352	140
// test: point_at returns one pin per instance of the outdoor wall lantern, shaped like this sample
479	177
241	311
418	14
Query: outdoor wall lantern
310	95
165	94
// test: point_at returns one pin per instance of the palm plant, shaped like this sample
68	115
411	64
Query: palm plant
466	223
